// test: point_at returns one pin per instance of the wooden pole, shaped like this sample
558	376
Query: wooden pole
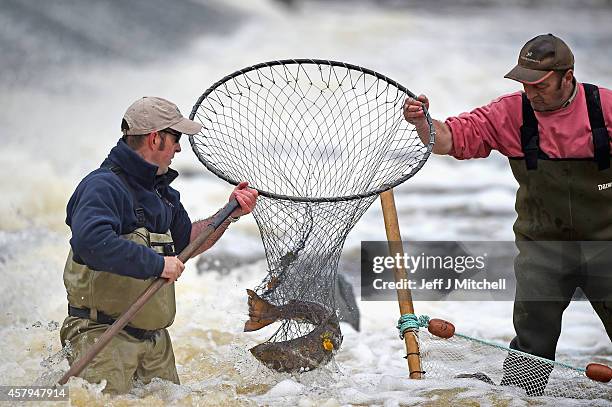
78	366
404	298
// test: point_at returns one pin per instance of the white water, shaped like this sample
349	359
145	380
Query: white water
54	133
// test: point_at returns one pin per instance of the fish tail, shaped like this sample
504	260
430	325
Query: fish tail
261	312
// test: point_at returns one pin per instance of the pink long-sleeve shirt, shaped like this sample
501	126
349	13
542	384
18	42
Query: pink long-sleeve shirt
564	133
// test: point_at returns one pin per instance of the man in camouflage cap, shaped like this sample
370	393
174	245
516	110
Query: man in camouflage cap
556	134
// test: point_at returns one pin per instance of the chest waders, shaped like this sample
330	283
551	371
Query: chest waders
559	204
102	296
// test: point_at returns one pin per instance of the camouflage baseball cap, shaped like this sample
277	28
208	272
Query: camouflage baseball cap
150	114
539	57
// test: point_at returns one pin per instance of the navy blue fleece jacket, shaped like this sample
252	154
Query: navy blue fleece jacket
102	208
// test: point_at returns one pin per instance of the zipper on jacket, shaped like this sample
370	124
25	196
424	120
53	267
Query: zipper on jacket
163	198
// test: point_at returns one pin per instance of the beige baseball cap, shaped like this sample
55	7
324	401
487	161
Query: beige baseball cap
539	58
150	114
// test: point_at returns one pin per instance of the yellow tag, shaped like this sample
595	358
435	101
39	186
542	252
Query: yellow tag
328	345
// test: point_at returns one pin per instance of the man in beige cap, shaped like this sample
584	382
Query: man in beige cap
556	136
128	225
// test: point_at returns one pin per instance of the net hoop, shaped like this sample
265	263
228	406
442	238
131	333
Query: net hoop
319	62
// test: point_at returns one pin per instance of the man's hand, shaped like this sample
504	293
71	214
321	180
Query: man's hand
173	268
414	114
413	110
246	197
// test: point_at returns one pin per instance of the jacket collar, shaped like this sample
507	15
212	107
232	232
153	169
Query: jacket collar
141	171
573	95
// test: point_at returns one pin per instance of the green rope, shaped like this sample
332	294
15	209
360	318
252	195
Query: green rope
411	322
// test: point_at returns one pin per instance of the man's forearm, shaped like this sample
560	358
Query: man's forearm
197	227
444	139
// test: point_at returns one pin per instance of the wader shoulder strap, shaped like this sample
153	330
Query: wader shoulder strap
530	137
138	209
601	140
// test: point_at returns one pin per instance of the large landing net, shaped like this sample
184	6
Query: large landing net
319	140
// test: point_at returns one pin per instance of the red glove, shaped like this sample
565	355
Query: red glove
246	197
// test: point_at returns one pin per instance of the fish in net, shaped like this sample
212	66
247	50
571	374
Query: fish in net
319	140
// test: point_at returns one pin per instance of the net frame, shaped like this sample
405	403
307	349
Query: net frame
218	172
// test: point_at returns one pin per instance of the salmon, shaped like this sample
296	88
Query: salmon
300	354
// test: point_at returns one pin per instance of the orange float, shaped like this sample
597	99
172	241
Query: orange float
441	328
599	372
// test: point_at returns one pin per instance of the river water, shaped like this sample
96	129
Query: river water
69	76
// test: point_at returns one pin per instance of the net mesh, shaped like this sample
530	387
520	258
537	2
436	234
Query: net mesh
319	140
465	357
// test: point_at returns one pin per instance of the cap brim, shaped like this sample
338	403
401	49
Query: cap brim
528	76
187	126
